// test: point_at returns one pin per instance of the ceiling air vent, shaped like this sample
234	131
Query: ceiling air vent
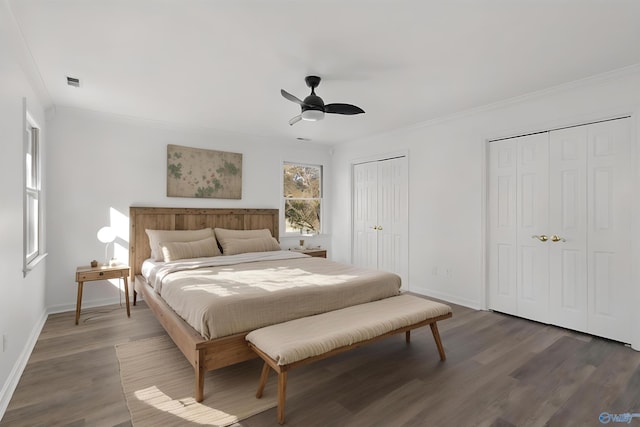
72	81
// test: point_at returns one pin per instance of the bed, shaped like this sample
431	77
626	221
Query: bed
279	285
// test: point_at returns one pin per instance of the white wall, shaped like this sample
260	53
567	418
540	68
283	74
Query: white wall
22	301
100	164
446	178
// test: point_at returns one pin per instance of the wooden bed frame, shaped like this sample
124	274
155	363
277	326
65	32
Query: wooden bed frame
204	355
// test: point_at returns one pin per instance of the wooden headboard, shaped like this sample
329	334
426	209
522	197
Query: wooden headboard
142	218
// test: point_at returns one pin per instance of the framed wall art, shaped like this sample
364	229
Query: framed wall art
200	173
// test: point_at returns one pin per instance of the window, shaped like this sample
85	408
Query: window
32	196
302	198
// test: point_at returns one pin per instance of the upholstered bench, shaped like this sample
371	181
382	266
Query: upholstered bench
301	341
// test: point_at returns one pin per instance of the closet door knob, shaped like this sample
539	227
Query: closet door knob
556	238
541	237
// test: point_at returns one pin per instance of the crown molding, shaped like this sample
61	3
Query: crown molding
561	88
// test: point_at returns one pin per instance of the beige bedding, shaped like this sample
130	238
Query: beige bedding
220	300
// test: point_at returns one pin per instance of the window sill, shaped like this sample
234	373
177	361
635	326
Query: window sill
32	265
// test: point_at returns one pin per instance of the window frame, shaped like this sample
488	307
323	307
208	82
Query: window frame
33	222
283	219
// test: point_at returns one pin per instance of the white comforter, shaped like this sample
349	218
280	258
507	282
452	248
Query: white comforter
225	295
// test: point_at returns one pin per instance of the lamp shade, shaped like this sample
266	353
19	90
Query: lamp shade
106	235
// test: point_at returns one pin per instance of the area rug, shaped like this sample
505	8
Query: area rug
158	383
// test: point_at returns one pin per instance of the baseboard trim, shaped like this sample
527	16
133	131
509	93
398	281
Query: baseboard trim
63	308
447	297
9	387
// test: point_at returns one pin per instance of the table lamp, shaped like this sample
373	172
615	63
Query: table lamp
107	235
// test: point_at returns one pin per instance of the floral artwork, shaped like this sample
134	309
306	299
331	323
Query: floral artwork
195	172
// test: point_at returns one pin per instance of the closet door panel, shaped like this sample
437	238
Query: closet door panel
571	290
502	226
609	248
568	221
392	214
532	220
365	215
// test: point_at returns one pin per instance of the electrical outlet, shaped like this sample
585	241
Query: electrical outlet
4	342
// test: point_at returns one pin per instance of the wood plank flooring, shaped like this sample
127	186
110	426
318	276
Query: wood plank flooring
500	371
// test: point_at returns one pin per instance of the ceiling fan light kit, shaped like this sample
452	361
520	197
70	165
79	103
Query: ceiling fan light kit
313	107
312	115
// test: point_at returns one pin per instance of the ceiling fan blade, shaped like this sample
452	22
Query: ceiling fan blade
290	97
295	120
343	109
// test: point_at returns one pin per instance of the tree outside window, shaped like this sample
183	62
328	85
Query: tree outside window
302	198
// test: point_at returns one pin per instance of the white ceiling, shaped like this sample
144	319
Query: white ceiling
221	63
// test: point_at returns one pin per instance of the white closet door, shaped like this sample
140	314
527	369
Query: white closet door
609	210
502	225
380	216
518	211
533	220
568	221
392	217
365	215
580	277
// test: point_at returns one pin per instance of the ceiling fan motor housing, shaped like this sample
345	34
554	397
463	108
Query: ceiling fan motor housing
313	102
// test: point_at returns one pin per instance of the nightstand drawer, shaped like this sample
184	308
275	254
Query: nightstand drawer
320	253
86	276
317	252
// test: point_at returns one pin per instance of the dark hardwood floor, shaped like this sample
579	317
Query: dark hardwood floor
500	371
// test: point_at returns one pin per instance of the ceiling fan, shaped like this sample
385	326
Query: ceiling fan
314	108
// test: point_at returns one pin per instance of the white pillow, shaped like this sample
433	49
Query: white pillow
158	236
224	233
232	243
173	251
241	246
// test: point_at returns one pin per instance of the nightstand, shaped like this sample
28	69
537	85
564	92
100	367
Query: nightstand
320	253
88	274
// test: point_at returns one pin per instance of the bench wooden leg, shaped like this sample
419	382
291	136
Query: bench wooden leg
407	336
436	337
263	379
282	392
